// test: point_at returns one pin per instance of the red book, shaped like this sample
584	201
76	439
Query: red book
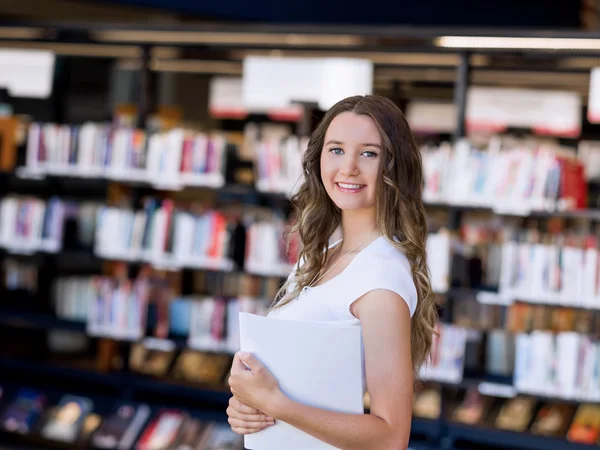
186	157
218	227
162	431
168	207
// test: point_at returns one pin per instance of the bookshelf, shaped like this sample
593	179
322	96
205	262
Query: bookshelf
69	180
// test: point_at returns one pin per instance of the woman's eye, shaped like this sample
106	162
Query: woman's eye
337	151
369	154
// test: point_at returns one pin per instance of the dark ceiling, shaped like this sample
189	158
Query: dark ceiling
482	13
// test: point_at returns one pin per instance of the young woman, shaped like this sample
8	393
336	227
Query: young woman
362	172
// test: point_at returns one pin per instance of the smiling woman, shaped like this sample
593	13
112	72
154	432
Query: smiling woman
363	173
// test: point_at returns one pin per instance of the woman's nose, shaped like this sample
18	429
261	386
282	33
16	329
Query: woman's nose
350	166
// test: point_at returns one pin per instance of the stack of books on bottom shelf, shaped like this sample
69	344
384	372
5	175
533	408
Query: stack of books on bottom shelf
557	424
75	420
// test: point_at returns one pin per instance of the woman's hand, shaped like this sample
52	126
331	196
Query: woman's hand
253	384
246	420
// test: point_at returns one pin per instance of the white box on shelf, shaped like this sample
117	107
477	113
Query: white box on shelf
207	262
269	269
212	180
50	245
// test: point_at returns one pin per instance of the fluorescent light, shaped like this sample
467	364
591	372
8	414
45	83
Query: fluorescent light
485	42
215	37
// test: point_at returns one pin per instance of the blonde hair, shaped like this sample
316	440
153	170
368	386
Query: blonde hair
400	212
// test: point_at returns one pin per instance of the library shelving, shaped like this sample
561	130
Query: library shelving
68	171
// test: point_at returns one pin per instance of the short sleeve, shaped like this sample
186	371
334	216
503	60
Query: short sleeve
386	273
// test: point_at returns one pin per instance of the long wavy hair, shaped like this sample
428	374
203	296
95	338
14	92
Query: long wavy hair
400	212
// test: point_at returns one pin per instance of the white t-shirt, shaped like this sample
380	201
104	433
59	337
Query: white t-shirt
377	266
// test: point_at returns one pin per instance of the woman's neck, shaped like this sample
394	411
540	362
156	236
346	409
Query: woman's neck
357	225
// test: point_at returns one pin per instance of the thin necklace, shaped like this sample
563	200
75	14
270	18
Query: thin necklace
316	280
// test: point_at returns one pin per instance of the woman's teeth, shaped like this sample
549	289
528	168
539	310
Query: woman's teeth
350	186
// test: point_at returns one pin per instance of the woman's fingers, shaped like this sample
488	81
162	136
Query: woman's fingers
245	412
246	420
254	418
243	430
241	407
238	423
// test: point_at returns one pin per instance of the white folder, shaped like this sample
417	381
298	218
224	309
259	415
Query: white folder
317	364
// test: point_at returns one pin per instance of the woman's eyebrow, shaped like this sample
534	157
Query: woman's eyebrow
367	144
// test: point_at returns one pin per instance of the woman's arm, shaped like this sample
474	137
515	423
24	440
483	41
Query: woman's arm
385	321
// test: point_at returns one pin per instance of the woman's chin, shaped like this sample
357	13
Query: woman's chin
353	206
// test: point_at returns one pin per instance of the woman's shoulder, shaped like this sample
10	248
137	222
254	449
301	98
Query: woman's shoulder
384	253
384	266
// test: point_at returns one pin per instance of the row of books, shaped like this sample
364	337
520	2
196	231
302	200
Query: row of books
211	324
167	160
169	237
510	176
73	296
564	365
553	269
162	233
29	224
447	357
521	413
526	317
165	236
116	308
129	426
119	309
461	347
278	164
267	252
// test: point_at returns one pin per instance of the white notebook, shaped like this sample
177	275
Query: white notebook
317	364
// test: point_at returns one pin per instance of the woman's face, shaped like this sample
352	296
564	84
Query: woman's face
350	161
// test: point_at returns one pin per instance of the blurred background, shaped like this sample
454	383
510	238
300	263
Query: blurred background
148	150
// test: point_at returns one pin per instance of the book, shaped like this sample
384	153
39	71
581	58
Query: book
162	430
472	408
121	428
67	419
515	414
194	435
553	420
337	385
199	367
221	437
585	428
24	412
427	404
